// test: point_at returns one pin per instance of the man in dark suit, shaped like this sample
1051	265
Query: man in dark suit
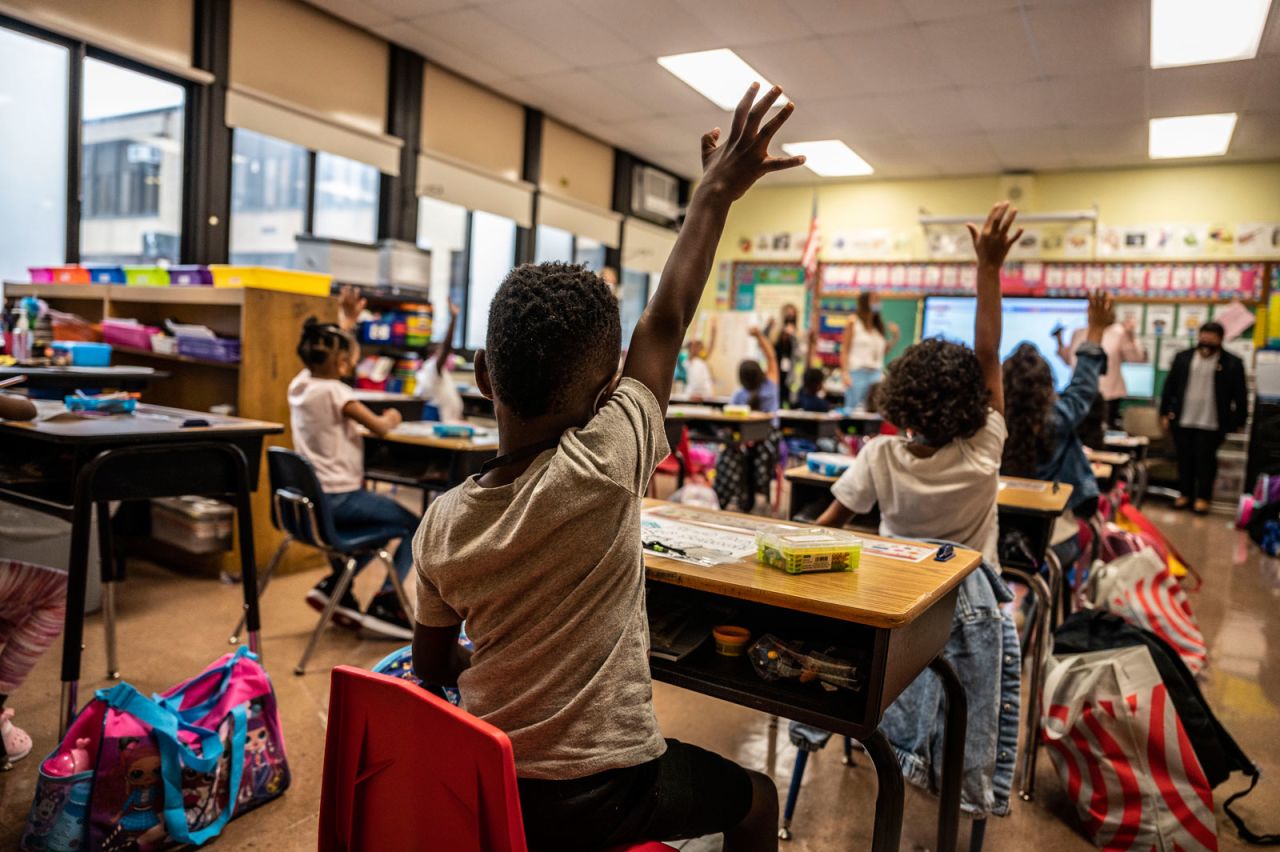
1204	398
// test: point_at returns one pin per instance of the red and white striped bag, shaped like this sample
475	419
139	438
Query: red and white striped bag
1139	588
1122	754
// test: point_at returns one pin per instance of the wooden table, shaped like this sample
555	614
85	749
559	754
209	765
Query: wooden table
410	407
422	460
895	616
1136	448
67	465
84	378
814	424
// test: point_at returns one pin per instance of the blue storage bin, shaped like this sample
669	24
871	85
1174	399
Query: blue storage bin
106	275
85	354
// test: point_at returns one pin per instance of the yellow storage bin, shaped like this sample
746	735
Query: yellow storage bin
270	278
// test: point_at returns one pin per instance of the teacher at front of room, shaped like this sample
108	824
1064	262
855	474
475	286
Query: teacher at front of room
867	340
1204	398
788	347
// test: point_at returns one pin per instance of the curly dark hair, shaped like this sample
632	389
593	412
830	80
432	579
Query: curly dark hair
1028	409
320	340
554	331
936	390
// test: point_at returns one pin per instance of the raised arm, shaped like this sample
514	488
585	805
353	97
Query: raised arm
728	170
378	424
446	345
350	305
1076	401
991	242
893	336
771	371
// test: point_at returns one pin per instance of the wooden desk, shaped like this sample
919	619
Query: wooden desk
410	407
422	460
706	424
893	616
1102	472
66	465
1106	456
713	401
73	378
814	424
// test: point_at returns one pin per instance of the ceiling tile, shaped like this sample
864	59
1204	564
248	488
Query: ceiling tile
1036	150
1257	135
663	27
440	51
482	34
1117	144
404	9
747	22
986	49
1102	99
360	14
659	90
589	96
1221	87
842	16
574	38
1100	36
936	10
888	61
803	68
1264	90
955	154
1013	106
928	113
853	120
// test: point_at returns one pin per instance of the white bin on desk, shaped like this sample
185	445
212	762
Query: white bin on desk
30	536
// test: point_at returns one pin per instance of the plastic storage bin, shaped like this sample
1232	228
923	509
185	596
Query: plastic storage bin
270	278
190	276
193	524
70	274
800	551
106	275
146	276
85	354
133	335
163	344
828	464
224	349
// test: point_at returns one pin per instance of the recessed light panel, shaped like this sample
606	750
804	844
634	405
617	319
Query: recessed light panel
721	76
1191	136
829	158
1195	32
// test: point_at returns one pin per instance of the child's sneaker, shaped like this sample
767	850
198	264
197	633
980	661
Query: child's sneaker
17	744
387	618
347	613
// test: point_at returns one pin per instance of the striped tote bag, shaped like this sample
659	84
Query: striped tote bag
1122	753
1139	588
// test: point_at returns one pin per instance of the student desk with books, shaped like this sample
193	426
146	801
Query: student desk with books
816	424
1136	447
893	616
411	455
708	424
69	465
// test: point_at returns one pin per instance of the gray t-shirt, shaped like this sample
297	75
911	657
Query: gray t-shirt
548	574
1200	402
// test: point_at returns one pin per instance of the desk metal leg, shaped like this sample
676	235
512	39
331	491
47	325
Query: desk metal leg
110	572
952	755
73	621
266	581
248	559
889	792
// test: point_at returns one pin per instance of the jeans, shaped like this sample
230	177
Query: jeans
860	382
1197	461
361	511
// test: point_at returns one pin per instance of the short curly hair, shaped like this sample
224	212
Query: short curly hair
554	330
936	390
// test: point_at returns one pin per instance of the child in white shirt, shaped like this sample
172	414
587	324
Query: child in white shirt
435	379
697	383
940	477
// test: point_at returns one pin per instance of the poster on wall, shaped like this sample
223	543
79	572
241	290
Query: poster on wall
1190	318
1257	239
1077	240
1129	314
1028	246
1169	347
1159	320
859	243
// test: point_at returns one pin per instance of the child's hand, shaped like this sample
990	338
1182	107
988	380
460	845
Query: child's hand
730	169
393	418
350	304
993	242
454	310
1101	310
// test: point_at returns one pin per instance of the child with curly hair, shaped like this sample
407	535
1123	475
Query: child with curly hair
940	477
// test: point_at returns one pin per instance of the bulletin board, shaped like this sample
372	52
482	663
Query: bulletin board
765	287
834	312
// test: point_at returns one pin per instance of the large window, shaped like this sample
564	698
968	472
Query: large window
633	298
589	253
346	199
131	166
269	179
553	244
442	230
493	252
33	154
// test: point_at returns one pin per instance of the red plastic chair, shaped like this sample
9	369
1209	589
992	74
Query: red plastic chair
404	769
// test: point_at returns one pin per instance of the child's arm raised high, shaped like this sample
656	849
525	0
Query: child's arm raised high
991	243
729	170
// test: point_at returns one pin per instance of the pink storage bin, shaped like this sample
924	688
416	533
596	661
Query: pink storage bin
132	335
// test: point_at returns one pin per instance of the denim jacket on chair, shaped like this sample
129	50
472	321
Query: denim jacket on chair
987	657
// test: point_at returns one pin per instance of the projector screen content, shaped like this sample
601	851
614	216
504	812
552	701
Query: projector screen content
1139	380
1032	320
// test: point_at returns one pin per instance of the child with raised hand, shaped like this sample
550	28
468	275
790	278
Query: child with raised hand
540	553
941	476
697	383
326	419
746	469
435	380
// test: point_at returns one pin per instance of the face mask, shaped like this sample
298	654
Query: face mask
1208	350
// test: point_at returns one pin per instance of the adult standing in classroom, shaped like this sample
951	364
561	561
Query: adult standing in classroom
788	347
1204	398
1121	345
867	340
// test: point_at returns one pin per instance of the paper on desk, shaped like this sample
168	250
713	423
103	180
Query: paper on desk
702	545
898	550
1024	485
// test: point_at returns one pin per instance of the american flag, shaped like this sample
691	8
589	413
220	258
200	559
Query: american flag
812	245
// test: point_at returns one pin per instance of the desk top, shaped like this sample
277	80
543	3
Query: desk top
1106	457
836	416
1032	495
84	372
1127	441
686	412
882	592
53	422
366	395
418	433
1102	470
685	399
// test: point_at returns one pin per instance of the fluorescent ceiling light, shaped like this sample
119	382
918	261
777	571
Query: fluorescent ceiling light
720	76
829	158
1194	32
1191	136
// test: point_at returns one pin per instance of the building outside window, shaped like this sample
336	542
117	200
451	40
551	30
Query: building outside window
442	230
269	179
346	199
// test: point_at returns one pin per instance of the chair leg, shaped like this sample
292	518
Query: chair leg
977	834
262	586
109	572
847	760
340	589
396	582
793	793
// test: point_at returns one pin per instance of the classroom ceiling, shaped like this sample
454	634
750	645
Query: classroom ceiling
919	88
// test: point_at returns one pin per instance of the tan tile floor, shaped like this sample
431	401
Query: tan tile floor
171	626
